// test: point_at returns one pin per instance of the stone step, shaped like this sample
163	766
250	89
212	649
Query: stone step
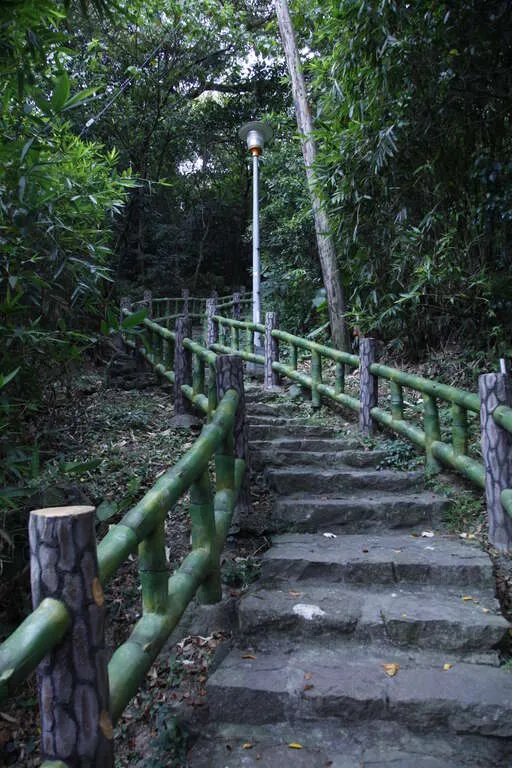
267	409
403	616
280	420
379	744
356	513
351	458
300	444
272	431
351	684
297	479
384	559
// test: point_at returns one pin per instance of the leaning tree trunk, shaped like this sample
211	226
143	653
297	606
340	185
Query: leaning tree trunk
326	250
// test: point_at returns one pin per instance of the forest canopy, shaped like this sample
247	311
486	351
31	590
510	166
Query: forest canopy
121	168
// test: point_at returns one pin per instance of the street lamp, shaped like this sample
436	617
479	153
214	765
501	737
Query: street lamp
256	134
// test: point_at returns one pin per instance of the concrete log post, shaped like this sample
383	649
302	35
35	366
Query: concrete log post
72	679
495	390
182	365
147	302
212	328
230	375
271	377
236	307
185	295
368	385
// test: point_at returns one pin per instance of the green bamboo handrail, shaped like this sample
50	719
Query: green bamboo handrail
142	525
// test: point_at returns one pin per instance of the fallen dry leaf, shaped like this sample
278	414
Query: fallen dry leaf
249	656
485	610
390	669
295	594
295	745
247	745
427	534
446	667
308	675
330	536
466	598
308	687
9	718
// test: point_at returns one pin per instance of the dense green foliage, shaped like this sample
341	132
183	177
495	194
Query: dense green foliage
413	104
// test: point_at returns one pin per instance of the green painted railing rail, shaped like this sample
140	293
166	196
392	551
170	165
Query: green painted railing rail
142	528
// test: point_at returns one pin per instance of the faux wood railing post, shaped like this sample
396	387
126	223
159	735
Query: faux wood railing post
185	295
230	375
368	385
397	401
197	375
316	378
236	306
182	365
154	571
147	302
432	433
124	305
72	679
495	389
271	377
212	328
202	518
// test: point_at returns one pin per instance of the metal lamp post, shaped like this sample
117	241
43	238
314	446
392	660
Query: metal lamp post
256	134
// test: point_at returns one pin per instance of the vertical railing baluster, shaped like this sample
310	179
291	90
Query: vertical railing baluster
316	377
339	379
397	400
432	433
212	390
204	536
459	430
197	375
154	571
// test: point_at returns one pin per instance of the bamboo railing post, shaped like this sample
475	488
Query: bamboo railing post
230	375
271	377
339	379
397	401
72	679
212	390
495	390
147	302
236	306
212	329
316	378
459	430
154	571
368	385
202	518
185	295
432	433
182	365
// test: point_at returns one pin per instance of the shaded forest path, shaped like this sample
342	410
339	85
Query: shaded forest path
368	639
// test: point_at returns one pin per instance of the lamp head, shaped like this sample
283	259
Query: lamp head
256	134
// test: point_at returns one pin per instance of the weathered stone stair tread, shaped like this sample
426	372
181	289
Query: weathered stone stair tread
360	510
287	480
306	444
352	458
380	744
360	558
350	683
405	615
269	431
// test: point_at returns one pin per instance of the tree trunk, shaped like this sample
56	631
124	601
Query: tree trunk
326	250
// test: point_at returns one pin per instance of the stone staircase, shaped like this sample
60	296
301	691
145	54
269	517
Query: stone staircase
364	643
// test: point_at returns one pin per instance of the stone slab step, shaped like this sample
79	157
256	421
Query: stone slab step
296	479
271	431
374	559
351	684
351	458
299	444
380	744
405	616
356	513
267	409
